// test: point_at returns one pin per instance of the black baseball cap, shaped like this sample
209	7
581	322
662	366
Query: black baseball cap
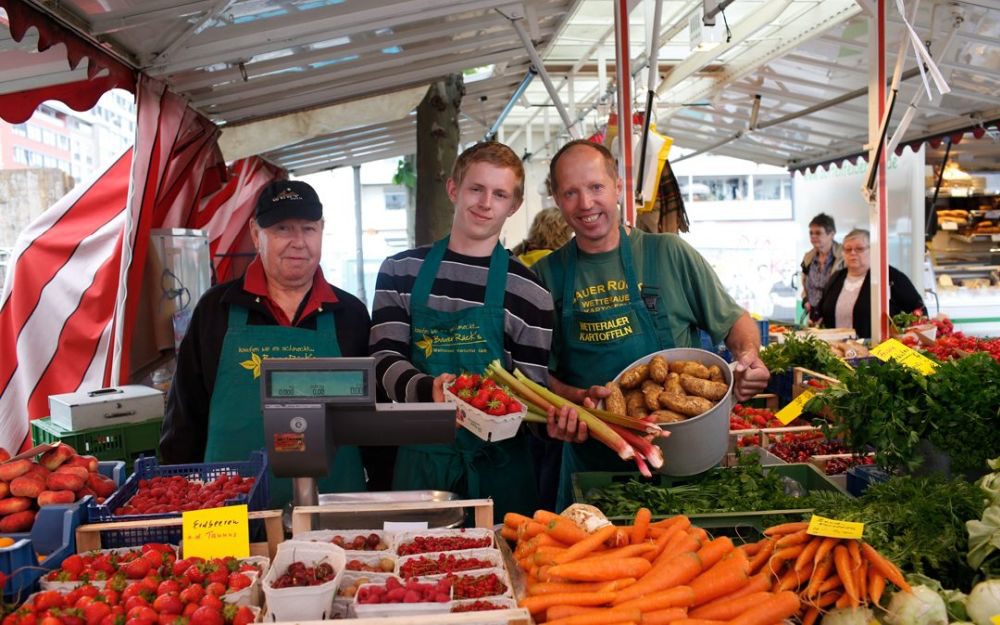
287	199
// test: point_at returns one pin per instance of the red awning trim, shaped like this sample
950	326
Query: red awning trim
104	72
935	141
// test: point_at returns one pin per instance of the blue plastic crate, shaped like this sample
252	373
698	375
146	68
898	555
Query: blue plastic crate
53	534
859	478
781	384
147	468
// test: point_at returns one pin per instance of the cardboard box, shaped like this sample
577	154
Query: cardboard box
83	410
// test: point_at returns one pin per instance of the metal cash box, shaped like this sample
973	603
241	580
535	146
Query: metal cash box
83	410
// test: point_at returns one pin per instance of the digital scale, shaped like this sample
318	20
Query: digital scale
312	405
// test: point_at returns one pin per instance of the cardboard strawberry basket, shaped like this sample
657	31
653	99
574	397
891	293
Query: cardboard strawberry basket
486	426
148	468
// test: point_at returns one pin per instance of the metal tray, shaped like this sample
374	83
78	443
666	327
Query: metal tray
445	518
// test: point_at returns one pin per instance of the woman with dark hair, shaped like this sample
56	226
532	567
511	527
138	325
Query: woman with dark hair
824	259
847	300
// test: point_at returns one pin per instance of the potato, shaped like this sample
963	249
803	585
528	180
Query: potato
715	374
80	472
103	486
634	377
11	505
615	402
673	384
4	455
704	388
14	469
650	394
55	457
49	497
635	405
65	481
4	489
658	369
38	471
685	404
27	486
690	367
666	416
87	462
20	521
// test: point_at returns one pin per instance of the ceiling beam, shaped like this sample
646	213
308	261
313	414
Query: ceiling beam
152	11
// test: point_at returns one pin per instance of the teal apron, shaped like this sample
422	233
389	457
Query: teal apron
453	342
584	364
235	425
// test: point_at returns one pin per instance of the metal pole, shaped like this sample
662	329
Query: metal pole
539	66
654	49
491	134
624	78
358	234
878	213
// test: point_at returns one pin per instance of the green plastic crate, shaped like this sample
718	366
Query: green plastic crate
124	442
741	524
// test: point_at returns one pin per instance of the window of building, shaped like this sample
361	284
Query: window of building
20	155
20	130
50	161
772	187
719	188
48	137
63	142
35	159
396	197
34	132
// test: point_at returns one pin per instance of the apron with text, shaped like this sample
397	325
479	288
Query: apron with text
235	423
590	357
453	342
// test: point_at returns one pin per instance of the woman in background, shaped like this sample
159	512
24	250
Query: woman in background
549	231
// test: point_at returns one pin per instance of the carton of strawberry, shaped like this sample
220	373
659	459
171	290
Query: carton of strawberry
484	408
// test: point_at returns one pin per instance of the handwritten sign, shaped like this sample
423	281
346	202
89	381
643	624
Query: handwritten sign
217	532
832	528
894	350
791	411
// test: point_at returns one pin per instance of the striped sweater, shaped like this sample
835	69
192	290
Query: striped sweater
460	284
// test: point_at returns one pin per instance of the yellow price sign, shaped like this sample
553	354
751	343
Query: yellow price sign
995	619
789	413
894	350
832	528
216	532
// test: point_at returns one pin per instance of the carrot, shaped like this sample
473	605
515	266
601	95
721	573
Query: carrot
547	554
641	525
783	555
682	542
758	583
565	531
563	611
810	616
587	545
762	556
884	567
661	542
793	579
696	621
513	519
676	597
828	599
842	562
861	582
831	583
548	588
795	538
508	532
668	573
844	601
712	551
537	603
617	584
669	522
546	516
725	577
628	551
663	617
602	569
620	538
807	554
786	528
600	617
698	533
529	530
819	575
773	610
727	608
854	549
751	549
824	548
876	584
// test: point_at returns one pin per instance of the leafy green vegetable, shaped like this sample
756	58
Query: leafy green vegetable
747	487
918	523
904	320
809	352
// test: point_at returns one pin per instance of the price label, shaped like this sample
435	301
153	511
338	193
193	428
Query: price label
949	225
832	528
995	619
789	413
894	350
217	532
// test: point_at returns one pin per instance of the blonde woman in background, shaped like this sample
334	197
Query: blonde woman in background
549	231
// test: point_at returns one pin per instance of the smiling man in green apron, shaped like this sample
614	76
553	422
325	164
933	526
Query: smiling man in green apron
281	308
453	307
621	295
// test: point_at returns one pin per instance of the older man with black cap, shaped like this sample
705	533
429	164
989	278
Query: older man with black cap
282	307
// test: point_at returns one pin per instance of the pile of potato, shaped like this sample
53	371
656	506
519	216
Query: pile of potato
666	392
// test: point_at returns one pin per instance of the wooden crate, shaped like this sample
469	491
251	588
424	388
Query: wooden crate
303	516
517	616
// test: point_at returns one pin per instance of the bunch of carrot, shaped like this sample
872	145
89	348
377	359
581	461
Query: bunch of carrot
628	437
826	573
647	573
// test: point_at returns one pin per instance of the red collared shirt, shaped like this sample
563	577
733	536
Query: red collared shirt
255	283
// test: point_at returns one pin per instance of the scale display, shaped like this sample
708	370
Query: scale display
305	383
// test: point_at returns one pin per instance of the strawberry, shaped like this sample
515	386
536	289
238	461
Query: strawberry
207	616
512	407
244	616
238	581
95	612
479	401
496	408
168	604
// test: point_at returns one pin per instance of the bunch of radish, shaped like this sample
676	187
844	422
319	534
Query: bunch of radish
58	476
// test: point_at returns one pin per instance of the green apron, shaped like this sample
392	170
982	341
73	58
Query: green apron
584	364
235	425
453	342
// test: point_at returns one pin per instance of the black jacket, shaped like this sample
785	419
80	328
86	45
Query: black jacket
185	423
903	297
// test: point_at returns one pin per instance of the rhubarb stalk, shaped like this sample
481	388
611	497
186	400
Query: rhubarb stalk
644	448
